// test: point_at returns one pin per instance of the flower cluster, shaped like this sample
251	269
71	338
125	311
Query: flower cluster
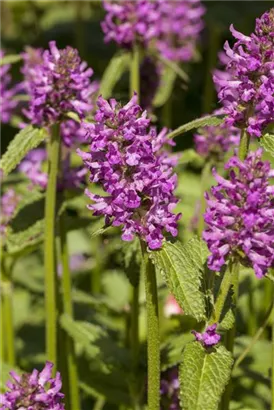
34	391
7	92
247	92
9	202
130	21
179	27
169	389
33	166
209	337
57	85
128	160
212	142
240	215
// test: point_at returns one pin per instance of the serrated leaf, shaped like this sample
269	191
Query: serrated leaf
10	59
267	142
203	376
164	91
25	241
117	66
199	122
22	143
182	268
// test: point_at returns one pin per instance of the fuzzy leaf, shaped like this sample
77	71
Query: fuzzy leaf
199	122
267	142
10	59
203	376
168	78
25	241
22	143
118	65
182	268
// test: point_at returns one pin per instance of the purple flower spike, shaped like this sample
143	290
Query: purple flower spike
57	85
129	161
247	89
209	337
7	93
130	21
179	27
37	390
212	142
240	215
32	166
169	389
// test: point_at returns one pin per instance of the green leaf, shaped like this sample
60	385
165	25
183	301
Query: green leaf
267	142
190	156
25	241
22	143
93	232
118	65
199	122
168	78
203	376
10	59
182	268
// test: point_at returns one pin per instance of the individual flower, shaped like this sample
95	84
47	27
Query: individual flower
247	93
213	141
61	84
169	389
172	307
9	201
128	160
240	215
33	391
130	21
8	92
149	81
34	167
179	24
209	337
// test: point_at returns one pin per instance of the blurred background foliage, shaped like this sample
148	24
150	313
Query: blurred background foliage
101	325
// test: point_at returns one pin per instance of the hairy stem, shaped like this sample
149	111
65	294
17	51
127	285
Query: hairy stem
135	345
49	246
206	172
244	145
230	336
153	337
7	339
135	71
68	309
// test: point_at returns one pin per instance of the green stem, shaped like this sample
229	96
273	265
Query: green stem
99	404
96	272
153	336
244	145
206	172
49	246
68	309
167	113
256	336
135	345
135	71
8	339
230	336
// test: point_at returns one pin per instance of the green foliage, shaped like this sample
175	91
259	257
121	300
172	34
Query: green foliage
22	143
203	376
200	122
132	260
189	156
174	67
168	77
267	142
117	66
10	59
25	241
182	268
